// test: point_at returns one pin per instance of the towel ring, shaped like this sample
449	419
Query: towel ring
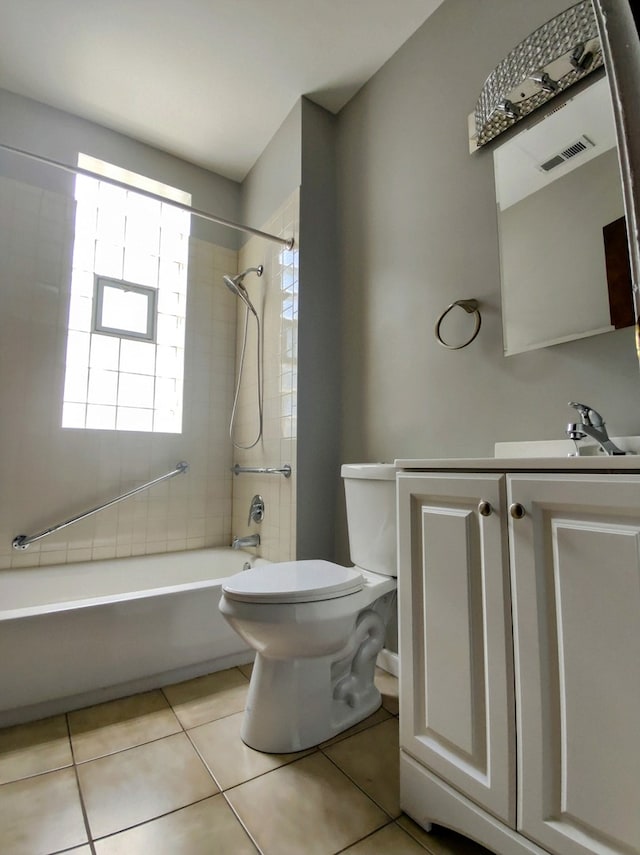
470	306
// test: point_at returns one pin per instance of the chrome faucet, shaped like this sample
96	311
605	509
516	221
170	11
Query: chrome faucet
591	424
249	540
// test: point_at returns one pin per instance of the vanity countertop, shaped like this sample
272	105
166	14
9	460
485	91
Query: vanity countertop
626	463
539	456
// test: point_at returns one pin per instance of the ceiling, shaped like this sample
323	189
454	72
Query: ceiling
209	81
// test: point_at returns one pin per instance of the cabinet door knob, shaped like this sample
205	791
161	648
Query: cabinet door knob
517	511
484	509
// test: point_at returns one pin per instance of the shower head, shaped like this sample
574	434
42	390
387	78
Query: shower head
234	284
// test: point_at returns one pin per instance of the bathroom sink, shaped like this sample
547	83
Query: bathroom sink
562	448
543	455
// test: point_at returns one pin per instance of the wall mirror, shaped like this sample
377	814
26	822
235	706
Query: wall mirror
567	50
563	249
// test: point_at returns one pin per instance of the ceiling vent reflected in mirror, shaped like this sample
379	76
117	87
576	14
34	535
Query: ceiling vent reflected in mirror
578	147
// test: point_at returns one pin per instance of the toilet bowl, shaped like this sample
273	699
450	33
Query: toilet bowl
317	627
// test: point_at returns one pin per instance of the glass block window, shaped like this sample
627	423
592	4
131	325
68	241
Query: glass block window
126	330
289	274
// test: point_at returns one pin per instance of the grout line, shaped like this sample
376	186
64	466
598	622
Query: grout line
419	842
203	761
356	784
242	823
366	837
182	727
83	807
127	748
306	752
340	737
413	837
153	818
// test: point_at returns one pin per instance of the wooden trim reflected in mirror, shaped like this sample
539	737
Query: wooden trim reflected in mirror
616	256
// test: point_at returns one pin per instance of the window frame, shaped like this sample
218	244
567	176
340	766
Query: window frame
100	282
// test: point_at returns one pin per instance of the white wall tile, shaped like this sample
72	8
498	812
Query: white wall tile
49	474
277	531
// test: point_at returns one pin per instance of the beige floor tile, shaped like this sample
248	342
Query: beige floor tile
230	761
41	815
387	685
207	698
371	759
378	716
142	783
34	748
414	829
441	841
116	725
206	828
307	806
390	839
78	850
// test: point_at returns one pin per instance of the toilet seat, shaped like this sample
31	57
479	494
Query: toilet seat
293	582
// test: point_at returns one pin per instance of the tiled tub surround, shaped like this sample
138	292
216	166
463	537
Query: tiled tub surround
79	633
166	772
275	295
47	473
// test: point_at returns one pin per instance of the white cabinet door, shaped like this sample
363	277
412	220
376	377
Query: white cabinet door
456	681
576	591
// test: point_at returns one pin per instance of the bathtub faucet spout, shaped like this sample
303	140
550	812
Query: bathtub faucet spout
249	540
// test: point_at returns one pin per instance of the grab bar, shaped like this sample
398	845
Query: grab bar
260	470
23	541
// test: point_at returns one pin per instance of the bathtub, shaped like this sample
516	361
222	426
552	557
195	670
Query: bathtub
78	634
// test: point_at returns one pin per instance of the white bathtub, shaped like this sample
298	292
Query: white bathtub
77	634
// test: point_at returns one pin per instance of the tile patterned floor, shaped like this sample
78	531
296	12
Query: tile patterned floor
165	773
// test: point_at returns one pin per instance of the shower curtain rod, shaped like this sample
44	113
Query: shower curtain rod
78	170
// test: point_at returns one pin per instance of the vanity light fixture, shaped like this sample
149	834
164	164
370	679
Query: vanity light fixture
509	109
552	58
581	58
545	82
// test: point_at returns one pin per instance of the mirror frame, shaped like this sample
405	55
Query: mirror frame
620	39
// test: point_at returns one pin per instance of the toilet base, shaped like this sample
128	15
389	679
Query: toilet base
310	714
295	704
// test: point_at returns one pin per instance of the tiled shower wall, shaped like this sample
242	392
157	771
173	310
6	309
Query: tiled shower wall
275	295
48	474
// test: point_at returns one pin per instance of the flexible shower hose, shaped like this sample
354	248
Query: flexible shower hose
238	384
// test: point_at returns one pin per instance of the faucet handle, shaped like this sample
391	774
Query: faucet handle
256	510
588	415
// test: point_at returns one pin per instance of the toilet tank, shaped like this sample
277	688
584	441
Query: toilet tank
370	493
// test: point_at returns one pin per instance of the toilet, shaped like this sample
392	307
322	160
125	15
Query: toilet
317	627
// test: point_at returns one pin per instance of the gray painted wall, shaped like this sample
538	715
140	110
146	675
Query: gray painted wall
43	130
418	231
319	365
302	154
276	173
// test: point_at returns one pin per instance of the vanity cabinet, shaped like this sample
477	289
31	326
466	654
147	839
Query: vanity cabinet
520	658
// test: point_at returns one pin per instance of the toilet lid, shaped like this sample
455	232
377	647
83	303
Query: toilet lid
293	582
